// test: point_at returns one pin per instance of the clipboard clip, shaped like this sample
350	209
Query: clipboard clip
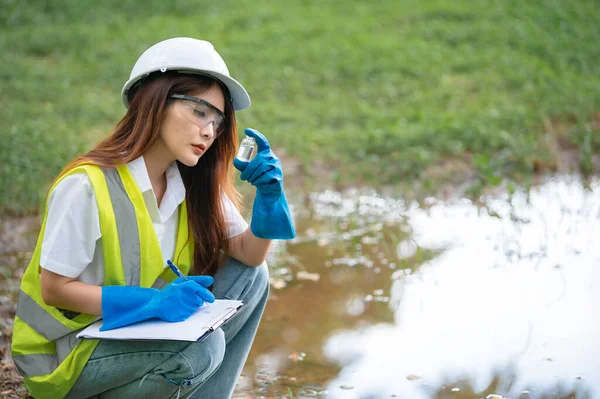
217	322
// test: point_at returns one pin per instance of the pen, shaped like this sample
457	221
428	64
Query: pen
176	270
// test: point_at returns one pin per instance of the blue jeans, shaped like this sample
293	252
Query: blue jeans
177	369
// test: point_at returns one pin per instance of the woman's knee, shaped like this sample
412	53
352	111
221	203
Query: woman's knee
261	282
238	281
197	361
258	286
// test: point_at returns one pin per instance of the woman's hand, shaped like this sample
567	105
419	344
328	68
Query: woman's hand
271	218
124	305
264	170
178	300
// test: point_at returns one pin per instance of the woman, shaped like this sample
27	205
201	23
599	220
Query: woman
159	188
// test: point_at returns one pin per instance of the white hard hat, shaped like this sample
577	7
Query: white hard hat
186	55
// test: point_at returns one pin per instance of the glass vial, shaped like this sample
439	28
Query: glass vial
246	149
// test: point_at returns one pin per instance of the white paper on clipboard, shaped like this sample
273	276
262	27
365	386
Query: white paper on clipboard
198	326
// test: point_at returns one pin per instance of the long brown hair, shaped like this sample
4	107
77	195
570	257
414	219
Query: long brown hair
205	182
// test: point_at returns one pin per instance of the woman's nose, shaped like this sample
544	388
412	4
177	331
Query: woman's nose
208	131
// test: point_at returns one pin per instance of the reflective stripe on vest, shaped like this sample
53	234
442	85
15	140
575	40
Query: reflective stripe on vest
36	364
129	236
44	323
37	318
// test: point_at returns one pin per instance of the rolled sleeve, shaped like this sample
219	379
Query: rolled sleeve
72	227
234	221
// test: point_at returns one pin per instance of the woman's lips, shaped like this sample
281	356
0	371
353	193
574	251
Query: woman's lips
198	149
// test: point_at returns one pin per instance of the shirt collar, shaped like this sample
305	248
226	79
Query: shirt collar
137	169
139	173
175	183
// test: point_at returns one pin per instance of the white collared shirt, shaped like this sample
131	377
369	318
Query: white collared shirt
72	244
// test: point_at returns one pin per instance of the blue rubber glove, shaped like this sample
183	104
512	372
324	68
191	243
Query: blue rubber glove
271	218
124	305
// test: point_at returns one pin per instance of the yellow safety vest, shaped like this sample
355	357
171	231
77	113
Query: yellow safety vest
45	348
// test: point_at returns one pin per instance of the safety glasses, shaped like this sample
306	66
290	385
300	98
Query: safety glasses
202	113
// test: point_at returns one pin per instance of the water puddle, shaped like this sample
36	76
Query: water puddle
379	298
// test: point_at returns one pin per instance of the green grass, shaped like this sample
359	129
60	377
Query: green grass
380	89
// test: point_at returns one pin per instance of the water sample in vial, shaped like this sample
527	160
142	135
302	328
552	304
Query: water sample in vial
246	149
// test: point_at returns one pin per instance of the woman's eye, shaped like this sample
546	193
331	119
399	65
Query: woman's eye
199	113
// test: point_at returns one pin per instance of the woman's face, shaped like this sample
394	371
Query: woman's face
182	133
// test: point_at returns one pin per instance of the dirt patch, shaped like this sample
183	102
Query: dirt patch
11	383
17	239
562	140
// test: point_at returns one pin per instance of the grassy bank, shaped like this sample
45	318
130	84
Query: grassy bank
382	90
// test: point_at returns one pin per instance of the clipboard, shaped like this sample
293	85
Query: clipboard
197	327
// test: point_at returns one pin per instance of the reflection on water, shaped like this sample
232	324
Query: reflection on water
447	299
